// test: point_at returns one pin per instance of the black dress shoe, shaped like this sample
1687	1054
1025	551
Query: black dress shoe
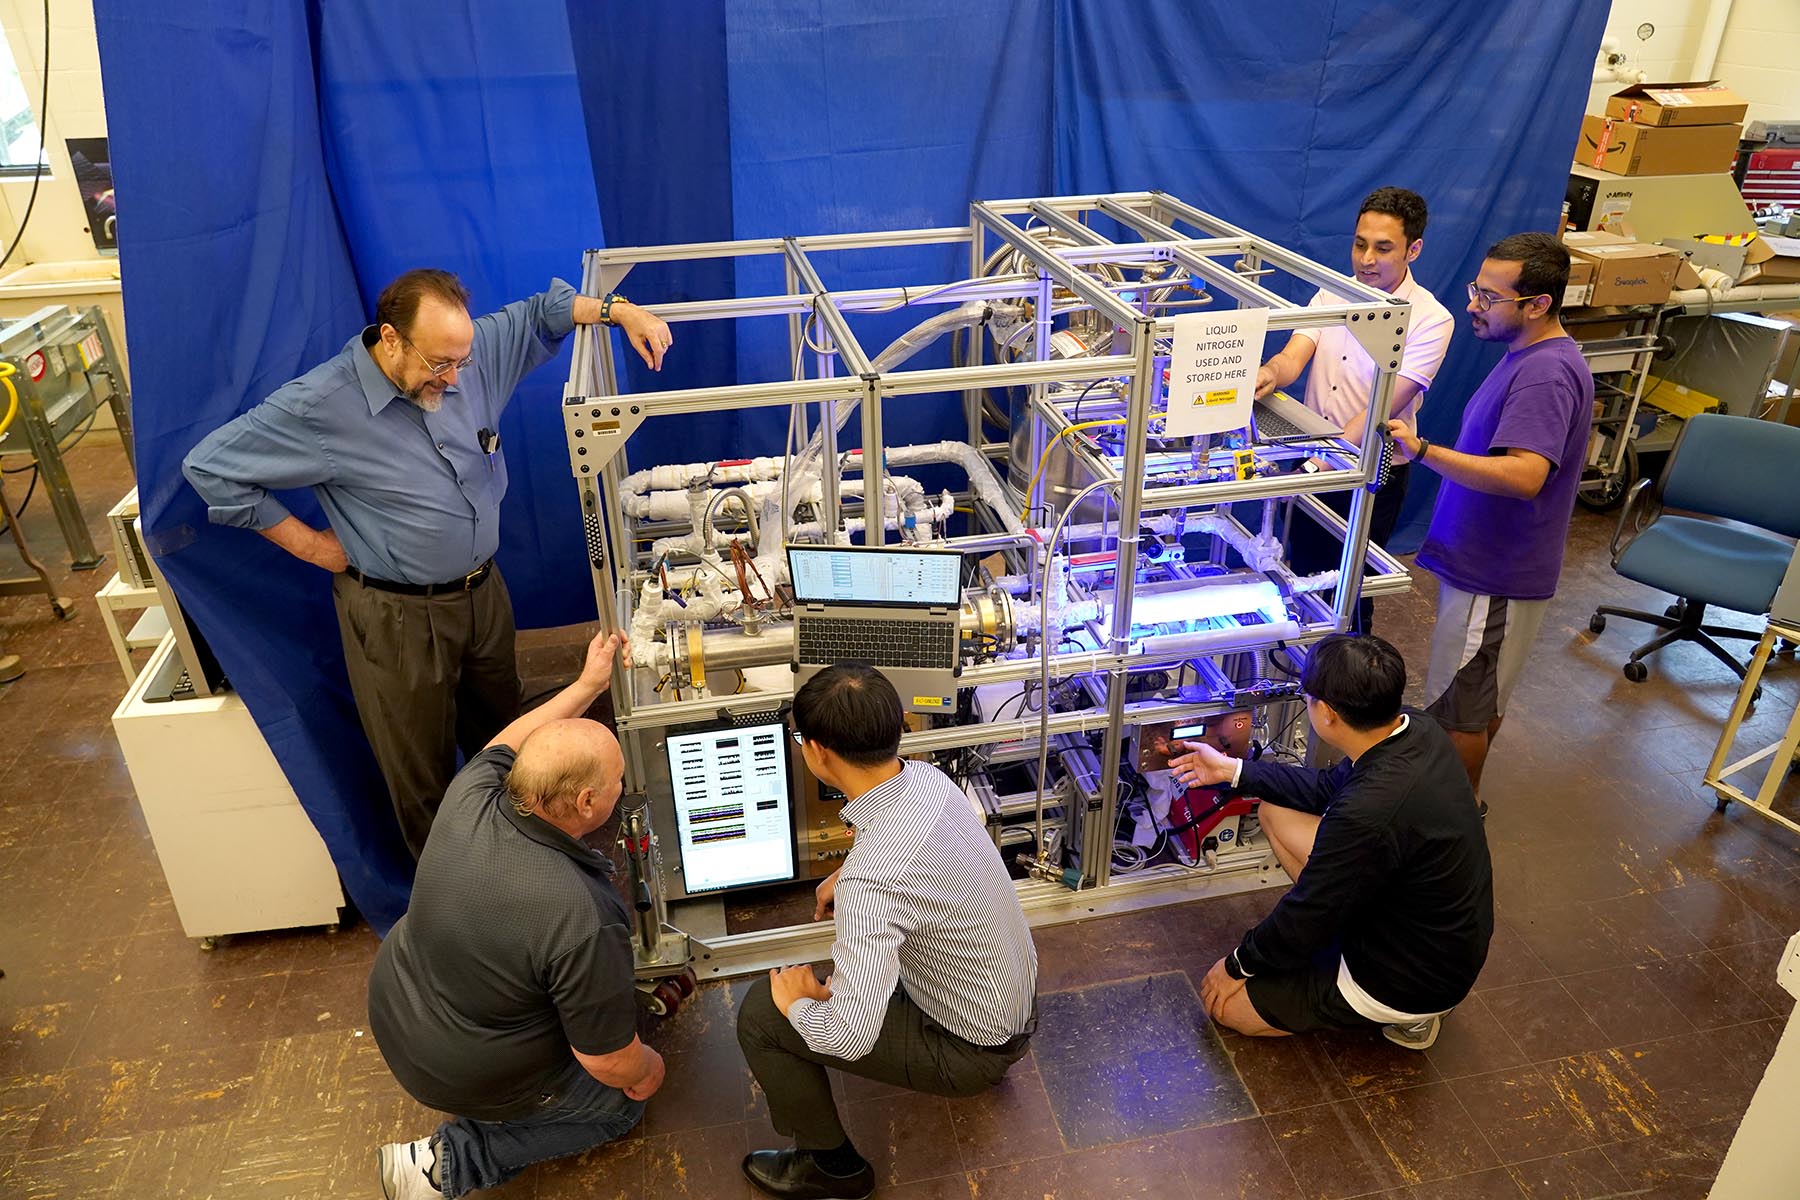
794	1175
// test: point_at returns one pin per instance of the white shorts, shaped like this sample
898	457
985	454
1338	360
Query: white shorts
1477	650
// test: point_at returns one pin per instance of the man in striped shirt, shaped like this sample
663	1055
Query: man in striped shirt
935	973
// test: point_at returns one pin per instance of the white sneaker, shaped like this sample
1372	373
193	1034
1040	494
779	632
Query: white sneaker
406	1170
1420	1035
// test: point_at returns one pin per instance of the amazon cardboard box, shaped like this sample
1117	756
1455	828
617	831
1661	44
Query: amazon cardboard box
1698	102
1625	272
1624	148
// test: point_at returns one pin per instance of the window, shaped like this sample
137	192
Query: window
19	144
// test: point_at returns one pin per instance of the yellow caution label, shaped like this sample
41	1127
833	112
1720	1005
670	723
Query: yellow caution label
930	702
1222	396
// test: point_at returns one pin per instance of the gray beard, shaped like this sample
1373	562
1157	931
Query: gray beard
427	402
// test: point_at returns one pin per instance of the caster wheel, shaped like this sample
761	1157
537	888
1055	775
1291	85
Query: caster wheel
209	943
1723	801
1755	696
1674	612
1597	624
62	608
655	1002
684	983
670	995
1637	672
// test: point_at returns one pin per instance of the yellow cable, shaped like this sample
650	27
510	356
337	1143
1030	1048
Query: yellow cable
1045	461
12	405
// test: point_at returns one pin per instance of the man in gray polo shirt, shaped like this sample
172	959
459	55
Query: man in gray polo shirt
504	995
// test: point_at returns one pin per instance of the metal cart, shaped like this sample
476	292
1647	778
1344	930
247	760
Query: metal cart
67	367
1621	367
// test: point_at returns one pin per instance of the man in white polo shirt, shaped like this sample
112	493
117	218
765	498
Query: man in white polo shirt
1390	232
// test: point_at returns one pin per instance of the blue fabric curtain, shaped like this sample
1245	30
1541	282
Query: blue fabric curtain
238	277
653	84
281	161
301	156
850	117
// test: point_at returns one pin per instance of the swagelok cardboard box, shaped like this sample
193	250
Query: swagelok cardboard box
1625	272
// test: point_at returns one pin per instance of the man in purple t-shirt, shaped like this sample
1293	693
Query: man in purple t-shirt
1502	515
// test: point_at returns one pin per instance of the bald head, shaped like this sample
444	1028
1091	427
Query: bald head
569	772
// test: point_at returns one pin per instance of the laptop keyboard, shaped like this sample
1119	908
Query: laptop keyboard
1270	424
926	644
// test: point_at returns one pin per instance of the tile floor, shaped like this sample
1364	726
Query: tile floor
1621	1024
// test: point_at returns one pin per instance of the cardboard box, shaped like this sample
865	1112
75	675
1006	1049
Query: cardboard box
1625	272
1623	148
1577	240
1581	283
1771	260
1662	105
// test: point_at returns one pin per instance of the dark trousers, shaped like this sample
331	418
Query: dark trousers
1311	549
580	1114
912	1051
431	675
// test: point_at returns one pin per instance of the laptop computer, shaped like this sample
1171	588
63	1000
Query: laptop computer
1278	418
894	608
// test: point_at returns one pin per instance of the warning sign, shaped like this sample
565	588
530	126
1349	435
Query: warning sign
1212	370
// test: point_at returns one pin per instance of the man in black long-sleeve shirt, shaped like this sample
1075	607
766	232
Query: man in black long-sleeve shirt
1388	921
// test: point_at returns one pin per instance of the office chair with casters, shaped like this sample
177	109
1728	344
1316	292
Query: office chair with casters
1740	480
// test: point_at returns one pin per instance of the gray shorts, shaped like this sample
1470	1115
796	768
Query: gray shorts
1477	649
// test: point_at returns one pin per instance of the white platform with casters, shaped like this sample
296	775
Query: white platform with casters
239	852
146	632
1764	1159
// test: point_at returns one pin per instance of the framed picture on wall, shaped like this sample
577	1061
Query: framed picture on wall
92	165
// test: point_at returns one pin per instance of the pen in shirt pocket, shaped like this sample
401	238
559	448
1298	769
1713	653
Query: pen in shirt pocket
489	441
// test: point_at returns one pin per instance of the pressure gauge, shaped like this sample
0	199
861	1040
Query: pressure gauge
1646	31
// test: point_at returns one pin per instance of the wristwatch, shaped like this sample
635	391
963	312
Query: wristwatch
1424	444
606	306
1232	968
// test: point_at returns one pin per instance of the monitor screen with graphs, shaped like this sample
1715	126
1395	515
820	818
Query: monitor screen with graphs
734	809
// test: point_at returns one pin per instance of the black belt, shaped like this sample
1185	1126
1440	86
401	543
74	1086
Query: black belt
1011	1045
1018	1041
467	583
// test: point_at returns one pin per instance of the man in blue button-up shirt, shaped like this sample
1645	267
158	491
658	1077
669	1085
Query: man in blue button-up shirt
396	436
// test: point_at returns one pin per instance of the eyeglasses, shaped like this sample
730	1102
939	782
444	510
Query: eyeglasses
799	738
438	370
1484	300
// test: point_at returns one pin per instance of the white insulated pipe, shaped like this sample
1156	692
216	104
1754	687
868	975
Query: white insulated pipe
1712	36
1728	298
902	348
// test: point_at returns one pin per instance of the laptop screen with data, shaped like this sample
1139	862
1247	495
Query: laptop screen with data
876	575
